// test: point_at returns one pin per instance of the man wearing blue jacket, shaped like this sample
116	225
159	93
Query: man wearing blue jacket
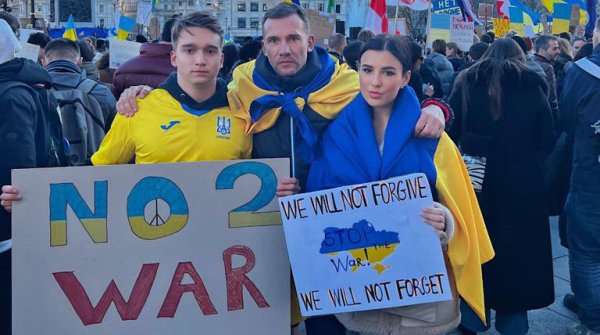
580	118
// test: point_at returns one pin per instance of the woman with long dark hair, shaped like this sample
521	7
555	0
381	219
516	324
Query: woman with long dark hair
372	139
503	122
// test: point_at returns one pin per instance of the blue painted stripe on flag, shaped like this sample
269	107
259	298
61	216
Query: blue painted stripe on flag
562	11
440	21
535	17
126	24
516	14
582	3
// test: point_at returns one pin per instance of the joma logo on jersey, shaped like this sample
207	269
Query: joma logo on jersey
223	126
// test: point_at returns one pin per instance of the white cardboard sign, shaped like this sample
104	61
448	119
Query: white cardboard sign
187	248
364	247
122	51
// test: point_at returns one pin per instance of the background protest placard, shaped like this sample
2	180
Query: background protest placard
25	33
29	51
462	32
501	27
321	25
451	28
364	247
122	51
150	249
451	7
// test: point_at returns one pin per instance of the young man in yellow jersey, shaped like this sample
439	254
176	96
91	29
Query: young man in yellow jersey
187	118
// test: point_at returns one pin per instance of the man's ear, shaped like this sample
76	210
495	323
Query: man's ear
79	61
311	43
173	58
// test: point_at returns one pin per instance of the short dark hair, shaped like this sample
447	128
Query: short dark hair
477	50
416	51
439	46
141	38
62	48
86	51
196	20
399	47
165	36
352	53
485	38
364	35
283	10
521	42
586	50
565	35
39	39
12	21
543	42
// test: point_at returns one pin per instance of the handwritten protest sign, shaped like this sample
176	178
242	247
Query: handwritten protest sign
321	25
462	32
150	249
451	28
501	26
364	247
122	51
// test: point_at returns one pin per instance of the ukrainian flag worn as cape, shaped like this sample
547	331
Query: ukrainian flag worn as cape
260	102
349	154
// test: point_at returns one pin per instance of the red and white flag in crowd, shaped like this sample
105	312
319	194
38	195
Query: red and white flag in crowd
502	7
377	17
412	4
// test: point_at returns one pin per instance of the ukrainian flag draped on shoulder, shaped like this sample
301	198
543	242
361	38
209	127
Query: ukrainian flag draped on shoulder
349	154
260	102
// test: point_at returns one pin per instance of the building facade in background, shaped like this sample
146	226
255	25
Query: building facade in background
238	17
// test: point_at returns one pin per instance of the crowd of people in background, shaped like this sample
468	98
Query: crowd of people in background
523	112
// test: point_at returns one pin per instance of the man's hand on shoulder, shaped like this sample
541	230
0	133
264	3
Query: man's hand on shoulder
127	104
431	123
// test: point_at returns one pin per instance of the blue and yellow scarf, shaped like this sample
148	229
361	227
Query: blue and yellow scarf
348	154
260	102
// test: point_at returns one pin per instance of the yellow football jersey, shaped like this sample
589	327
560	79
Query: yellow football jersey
165	130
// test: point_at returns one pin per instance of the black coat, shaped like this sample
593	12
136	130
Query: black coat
26	130
513	200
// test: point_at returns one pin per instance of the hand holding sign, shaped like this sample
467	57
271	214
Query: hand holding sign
365	247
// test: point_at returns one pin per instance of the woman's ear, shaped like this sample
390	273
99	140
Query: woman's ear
406	78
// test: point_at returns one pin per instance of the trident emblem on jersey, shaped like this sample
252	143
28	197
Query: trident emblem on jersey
223	125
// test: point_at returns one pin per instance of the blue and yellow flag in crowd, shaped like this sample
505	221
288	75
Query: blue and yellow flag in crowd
517	20
154	4
297	2
561	18
126	26
550	6
70	32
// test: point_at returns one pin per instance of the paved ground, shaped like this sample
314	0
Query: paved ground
555	319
